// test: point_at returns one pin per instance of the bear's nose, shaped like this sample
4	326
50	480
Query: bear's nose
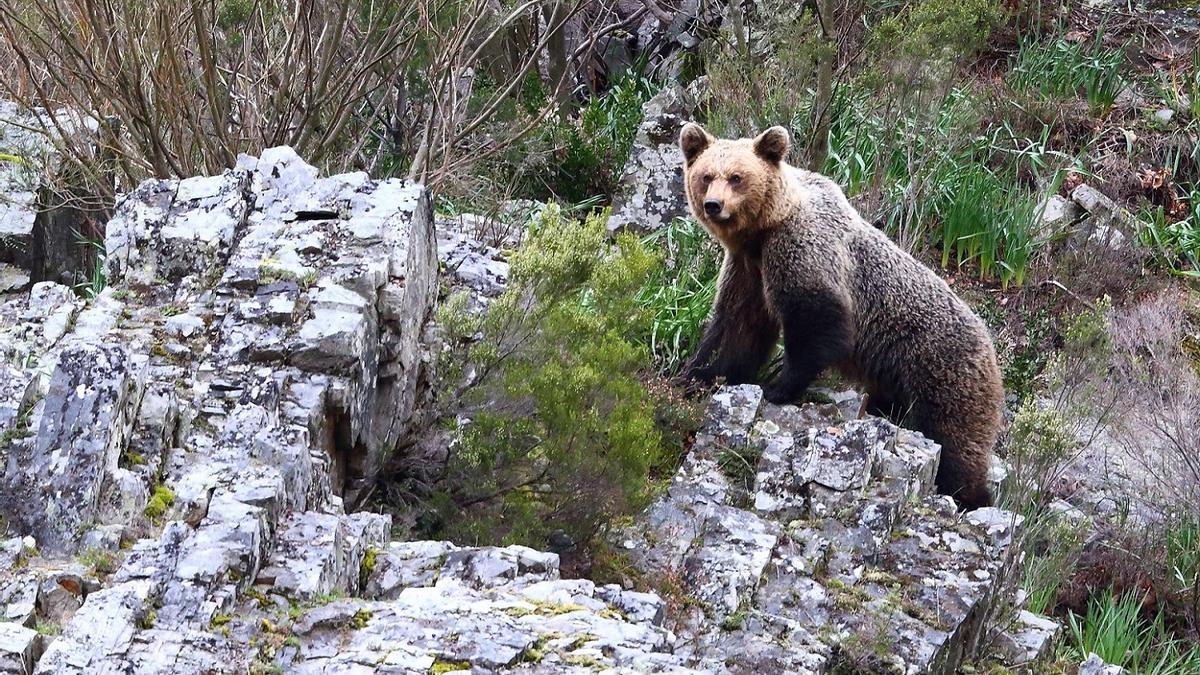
712	206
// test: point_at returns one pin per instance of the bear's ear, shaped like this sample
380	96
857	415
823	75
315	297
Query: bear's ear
693	140
773	144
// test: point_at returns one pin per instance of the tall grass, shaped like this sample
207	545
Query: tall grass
1114	629
986	220
1063	69
938	181
1183	555
679	295
1176	244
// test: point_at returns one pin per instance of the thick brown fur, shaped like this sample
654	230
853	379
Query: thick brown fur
799	259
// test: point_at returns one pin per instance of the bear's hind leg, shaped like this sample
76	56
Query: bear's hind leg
962	472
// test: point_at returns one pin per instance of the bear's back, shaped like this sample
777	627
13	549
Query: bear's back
903	310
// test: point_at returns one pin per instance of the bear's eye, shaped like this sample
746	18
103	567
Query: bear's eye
735	179
707	178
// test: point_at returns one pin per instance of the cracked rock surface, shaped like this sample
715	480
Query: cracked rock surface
806	542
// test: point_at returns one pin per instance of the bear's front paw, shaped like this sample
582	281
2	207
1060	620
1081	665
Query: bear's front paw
779	394
704	376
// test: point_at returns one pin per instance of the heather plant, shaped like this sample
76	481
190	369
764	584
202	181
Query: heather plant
556	428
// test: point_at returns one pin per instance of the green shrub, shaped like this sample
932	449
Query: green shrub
594	150
562	431
1041	437
574	156
986	219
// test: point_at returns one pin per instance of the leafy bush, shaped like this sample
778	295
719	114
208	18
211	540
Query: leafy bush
556	428
575	156
595	149
1183	554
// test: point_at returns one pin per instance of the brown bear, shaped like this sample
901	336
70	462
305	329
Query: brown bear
799	258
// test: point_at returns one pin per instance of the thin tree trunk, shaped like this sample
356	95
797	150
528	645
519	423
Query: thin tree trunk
818	145
556	47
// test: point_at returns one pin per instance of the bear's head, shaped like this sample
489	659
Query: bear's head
734	186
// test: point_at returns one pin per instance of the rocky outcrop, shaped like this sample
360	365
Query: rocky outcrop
255	360
182	455
807	541
651	192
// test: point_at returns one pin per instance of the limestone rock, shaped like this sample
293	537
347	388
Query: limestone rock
1106	223
651	192
1027	639
1057	213
20	647
1094	665
52	487
846	548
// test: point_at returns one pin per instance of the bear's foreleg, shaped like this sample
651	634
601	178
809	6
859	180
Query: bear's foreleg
817	334
741	332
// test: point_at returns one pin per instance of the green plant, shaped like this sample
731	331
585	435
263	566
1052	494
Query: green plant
680	293
986	220
1063	69
592	150
1111	629
561	432
1175	243
1041	435
1183	552
1114	629
575	156
1030	359
160	501
95	253
99	561
1056	545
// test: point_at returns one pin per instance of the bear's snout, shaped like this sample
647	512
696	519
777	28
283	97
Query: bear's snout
713	206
